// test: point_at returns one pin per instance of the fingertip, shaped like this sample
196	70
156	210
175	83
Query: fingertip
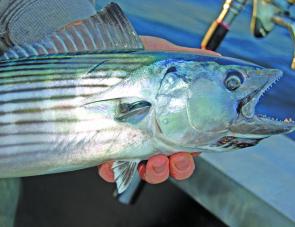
181	166
157	169
158	164
106	173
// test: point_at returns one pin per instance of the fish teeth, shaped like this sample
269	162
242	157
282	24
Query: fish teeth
288	120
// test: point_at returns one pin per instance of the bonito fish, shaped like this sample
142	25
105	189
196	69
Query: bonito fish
88	94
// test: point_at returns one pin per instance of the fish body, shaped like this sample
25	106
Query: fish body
70	109
43	120
62	112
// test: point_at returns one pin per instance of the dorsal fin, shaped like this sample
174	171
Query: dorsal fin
109	29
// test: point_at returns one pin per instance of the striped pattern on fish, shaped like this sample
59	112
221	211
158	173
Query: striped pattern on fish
41	112
69	111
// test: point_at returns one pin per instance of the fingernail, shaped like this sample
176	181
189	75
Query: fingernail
182	164
159	165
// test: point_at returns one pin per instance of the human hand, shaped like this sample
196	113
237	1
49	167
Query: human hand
159	44
158	168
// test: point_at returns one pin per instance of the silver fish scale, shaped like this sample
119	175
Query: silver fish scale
42	120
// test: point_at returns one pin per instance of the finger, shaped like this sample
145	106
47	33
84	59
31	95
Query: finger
105	172
157	169
182	166
155	43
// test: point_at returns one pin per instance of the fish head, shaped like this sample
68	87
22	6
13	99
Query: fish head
212	106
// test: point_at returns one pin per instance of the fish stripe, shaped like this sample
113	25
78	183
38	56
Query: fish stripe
61	81
23	144
40	68
55	140
43	133
51	88
28	122
87	56
102	74
65	128
50	115
47	79
69	67
53	97
15	107
52	64
36	110
73	60
49	94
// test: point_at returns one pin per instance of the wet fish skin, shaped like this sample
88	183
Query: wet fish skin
44	127
62	112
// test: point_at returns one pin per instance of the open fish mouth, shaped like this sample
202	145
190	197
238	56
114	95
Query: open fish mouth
251	125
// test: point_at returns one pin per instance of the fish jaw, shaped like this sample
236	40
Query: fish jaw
249	125
260	127
257	83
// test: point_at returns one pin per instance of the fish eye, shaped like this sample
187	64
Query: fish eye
234	79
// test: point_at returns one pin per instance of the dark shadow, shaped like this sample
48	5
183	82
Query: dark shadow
82	199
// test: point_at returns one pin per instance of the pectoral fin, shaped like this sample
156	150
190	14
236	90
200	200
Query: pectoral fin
124	172
133	112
